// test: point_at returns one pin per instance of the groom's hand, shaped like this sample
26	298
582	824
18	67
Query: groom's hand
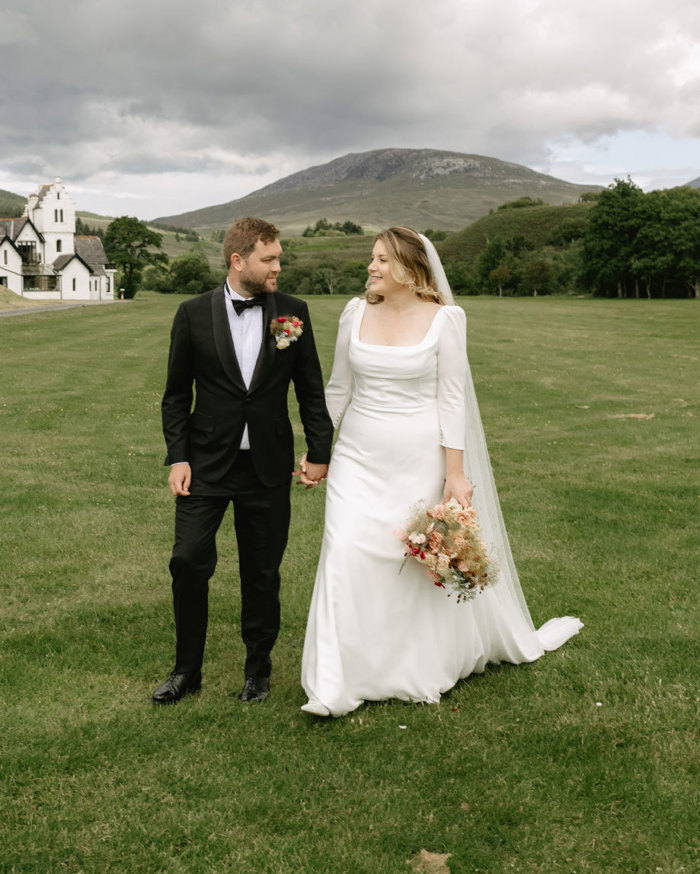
180	478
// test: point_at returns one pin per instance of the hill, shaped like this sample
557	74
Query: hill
695	183
522	248
424	188
11	205
11	301
538	225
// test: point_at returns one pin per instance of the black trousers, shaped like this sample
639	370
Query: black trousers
262	526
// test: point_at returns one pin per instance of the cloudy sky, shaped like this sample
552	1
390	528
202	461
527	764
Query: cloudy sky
154	107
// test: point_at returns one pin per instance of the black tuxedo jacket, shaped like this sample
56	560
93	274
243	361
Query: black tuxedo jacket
202	357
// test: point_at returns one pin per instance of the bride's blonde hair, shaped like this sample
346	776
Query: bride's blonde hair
408	265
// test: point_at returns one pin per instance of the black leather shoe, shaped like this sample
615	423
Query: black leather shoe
176	686
255	689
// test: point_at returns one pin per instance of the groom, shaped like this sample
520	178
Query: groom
236	445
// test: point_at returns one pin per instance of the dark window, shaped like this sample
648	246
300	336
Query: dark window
40	283
28	252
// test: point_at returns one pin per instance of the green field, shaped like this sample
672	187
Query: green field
581	762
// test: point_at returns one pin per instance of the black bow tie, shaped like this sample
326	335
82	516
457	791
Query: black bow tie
240	305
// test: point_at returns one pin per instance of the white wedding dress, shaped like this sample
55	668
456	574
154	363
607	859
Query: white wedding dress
377	631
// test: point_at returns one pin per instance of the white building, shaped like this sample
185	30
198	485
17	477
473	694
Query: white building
42	258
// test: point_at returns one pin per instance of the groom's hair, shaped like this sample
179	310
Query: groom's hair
244	233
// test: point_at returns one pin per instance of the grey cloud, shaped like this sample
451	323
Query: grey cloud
30	167
161	86
141	163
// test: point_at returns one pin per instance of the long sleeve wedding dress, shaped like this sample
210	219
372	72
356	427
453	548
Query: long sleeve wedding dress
376	631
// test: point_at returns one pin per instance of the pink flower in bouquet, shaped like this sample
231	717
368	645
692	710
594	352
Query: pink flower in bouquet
466	516
435	540
437	512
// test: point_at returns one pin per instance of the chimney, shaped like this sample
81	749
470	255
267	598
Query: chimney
31	204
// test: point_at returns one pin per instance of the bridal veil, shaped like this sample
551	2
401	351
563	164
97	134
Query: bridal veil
477	466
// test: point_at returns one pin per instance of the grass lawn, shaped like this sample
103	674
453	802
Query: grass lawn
581	762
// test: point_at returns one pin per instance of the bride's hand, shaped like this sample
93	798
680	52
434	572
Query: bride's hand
309	474
460	488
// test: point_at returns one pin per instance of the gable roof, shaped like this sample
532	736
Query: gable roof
43	191
13	227
92	252
62	260
6	238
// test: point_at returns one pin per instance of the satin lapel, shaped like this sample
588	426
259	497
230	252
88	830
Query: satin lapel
267	347
222	338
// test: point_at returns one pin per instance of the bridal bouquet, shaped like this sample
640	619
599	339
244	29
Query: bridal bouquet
446	540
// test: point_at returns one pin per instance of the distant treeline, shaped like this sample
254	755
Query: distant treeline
620	242
83	229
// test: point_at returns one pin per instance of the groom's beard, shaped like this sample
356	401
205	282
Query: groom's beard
253	287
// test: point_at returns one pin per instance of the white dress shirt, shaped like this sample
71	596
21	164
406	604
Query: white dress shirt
247	335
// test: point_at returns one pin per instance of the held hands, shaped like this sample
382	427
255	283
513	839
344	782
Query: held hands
459	487
180	478
309	474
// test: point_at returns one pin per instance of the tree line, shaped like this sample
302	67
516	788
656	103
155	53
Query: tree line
620	242
625	244
83	229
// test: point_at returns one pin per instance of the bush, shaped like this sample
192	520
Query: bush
323	228
188	274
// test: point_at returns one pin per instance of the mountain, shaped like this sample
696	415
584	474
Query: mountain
695	183
423	188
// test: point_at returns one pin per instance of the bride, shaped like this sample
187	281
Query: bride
410	432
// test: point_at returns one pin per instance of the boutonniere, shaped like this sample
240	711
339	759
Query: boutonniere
286	330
